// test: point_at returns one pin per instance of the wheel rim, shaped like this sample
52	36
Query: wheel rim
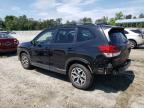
25	60
132	44
78	76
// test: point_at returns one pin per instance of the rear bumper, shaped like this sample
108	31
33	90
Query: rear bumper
8	50
122	68
114	70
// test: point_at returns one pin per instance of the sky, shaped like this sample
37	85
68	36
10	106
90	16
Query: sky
70	9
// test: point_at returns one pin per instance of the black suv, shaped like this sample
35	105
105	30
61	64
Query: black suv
80	51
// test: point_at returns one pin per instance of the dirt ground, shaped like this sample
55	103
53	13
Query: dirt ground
37	88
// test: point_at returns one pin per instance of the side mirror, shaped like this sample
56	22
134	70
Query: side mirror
33	42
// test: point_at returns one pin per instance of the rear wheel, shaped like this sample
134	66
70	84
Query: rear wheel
80	76
25	61
133	44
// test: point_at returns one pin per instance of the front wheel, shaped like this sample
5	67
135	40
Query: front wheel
80	76
25	61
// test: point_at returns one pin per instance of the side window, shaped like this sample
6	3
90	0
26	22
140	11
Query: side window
65	36
45	37
84	35
136	31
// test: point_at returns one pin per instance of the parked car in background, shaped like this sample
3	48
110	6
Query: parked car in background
7	32
135	37
80	51
139	31
10	33
7	43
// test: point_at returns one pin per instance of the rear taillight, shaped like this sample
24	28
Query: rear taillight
16	41
109	50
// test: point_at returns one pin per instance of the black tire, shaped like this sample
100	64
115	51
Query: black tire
25	61
86	74
133	44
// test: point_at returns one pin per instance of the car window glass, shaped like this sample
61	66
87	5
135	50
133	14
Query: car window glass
65	36
136	31
125	32
45	37
5	36
84	35
117	38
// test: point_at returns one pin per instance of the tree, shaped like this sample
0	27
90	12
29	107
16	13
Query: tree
85	20
103	20
141	15
1	24
128	16
67	22
23	22
59	21
134	17
112	21
10	22
119	15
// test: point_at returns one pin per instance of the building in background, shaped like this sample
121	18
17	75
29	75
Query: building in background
139	23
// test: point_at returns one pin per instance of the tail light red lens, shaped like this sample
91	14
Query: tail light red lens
16	41
109	50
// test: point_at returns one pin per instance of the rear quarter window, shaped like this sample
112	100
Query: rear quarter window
84	34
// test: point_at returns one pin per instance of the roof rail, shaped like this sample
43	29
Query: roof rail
74	24
105	26
85	24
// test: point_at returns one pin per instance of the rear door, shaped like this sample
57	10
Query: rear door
118	38
62	48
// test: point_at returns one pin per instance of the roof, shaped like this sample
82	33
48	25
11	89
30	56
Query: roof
4	32
75	25
72	26
130	21
87	25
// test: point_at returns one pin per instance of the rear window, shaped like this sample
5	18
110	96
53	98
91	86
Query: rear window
5	36
118	38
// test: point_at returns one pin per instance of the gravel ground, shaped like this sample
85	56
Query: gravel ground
38	88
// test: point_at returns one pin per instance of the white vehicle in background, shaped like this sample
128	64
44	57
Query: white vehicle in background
135	39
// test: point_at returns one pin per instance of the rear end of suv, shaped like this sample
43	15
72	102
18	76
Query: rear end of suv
8	43
80	51
119	48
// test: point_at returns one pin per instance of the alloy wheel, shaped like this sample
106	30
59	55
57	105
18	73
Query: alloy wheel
24	60
78	76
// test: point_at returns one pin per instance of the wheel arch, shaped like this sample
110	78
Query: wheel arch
82	61
134	41
23	51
